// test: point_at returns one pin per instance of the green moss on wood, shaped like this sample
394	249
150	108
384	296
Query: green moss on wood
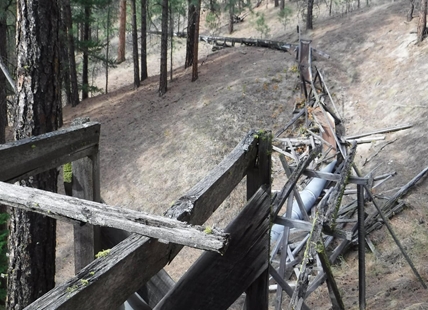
67	173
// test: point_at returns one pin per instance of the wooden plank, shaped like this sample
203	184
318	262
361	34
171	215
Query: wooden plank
257	294
285	286
118	270
203	285
384	130
82	187
30	156
73	209
291	182
291	223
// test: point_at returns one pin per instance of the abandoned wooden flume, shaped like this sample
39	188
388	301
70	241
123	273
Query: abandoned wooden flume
239	259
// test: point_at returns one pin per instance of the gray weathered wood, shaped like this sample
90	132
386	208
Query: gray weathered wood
73	209
118	271
334	177
291	223
257	294
335	297
30	156
291	182
83	187
283	284
203	285
384	130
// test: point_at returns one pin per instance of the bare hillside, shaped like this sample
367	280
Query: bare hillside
153	149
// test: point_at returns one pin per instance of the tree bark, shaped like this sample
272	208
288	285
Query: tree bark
191	23
135	45
32	236
144	73
276	3
282	5
86	38
74	96
3	81
196	43
171	38
231	12
422	21
309	15
164	50
122	32
108	24
410	12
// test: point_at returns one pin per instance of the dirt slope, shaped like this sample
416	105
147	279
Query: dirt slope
153	149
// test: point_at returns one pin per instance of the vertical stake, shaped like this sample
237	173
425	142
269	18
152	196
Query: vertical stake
361	249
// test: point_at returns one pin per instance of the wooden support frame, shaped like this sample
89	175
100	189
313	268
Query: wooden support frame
257	297
118	271
203	286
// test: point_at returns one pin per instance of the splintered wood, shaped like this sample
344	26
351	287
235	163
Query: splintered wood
307	246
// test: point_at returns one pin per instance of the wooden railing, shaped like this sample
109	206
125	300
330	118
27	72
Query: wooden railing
214	282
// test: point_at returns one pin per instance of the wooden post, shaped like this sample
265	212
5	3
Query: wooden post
258	175
361	249
83	181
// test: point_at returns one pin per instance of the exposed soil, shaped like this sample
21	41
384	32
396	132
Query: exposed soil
153	149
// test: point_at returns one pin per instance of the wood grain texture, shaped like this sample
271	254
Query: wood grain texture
79	210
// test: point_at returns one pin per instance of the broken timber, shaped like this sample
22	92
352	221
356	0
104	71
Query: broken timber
74	210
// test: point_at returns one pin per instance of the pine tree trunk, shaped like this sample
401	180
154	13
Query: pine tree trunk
422	21
410	12
196	43
107	45
276	3
164	50
144	73
171	38
231	13
135	45
309	15
74	97
33	236
282	5
191	23
122	32
86	38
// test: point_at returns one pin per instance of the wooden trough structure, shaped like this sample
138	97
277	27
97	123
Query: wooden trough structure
107	282
237	260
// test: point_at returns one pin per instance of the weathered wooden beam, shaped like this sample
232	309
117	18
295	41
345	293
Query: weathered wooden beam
291	223
20	159
75	210
361	249
257	294
83	187
203	285
291	182
118	269
285	286
384	130
334	177
335	297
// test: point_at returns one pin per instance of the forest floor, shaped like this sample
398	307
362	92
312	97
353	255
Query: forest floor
154	149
